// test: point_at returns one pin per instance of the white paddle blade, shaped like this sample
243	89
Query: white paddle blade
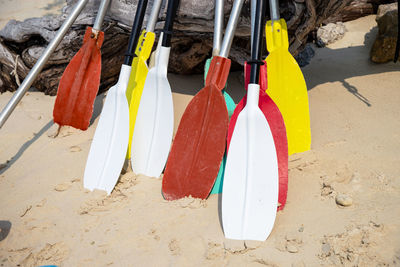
152	136
250	188
108	149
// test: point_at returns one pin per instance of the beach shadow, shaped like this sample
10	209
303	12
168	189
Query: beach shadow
25	146
328	65
98	107
333	65
5	227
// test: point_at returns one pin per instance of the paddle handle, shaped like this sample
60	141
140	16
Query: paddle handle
169	21
257	43
274	9
230	28
30	78
100	15
151	23
135	33
218	25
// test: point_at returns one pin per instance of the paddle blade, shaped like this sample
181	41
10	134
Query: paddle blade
287	88
198	147
250	191
79	84
230	104
110	141
277	126
199	144
154	126
137	80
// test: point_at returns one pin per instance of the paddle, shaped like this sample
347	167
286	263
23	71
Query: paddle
274	118
40	63
277	126
250	191
154	125
80	81
139	69
107	152
230	104
199	144
286	85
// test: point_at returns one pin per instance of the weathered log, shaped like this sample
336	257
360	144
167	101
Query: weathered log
191	44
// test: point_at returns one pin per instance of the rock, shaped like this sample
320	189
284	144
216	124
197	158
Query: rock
326	248
384	46
305	56
343	200
292	248
62	187
331	32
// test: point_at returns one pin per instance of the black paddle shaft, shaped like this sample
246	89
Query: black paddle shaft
169	21
135	33
255	61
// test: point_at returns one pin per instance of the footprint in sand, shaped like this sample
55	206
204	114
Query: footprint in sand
214	251
174	247
54	253
65	186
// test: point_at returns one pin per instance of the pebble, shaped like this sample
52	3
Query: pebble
75	149
2	165
62	187
292	248
326	248
344	200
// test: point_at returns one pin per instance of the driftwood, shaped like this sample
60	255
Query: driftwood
21	43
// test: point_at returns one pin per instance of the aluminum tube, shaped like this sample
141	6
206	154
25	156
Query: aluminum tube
100	14
230	29
218	26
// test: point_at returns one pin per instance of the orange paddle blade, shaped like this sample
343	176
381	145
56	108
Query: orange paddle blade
79	84
199	144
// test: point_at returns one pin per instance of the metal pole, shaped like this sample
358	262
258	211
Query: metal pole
151	23
30	78
100	14
218	25
274	9
252	19
230	29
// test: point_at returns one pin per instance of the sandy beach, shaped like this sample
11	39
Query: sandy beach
47	217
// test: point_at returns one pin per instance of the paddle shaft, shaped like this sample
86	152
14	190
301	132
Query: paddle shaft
218	23
135	33
169	21
257	42
230	28
30	78
274	9
151	23
100	15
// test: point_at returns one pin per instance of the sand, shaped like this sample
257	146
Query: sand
354	108
22	9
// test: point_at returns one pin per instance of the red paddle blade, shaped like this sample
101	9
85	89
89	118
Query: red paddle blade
79	84
277	125
199	144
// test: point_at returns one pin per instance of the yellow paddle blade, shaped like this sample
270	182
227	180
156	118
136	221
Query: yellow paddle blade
287	87
137	79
